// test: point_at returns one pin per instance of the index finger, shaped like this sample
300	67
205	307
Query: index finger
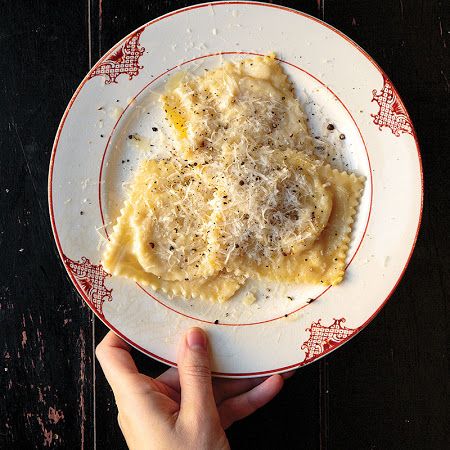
114	356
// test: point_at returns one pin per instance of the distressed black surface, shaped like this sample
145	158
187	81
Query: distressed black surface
386	389
45	328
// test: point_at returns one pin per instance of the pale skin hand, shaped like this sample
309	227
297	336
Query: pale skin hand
181	408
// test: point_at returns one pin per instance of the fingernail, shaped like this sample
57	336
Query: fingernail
196	339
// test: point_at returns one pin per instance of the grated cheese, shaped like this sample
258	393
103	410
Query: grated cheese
241	121
249	299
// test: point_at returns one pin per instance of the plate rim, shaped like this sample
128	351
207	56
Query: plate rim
114	48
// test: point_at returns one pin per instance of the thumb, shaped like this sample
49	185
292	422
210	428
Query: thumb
197	399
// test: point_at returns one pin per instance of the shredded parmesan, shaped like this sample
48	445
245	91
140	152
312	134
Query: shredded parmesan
249	299
241	122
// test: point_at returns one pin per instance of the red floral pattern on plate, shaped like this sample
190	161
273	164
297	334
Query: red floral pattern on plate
124	60
323	338
392	114
91	279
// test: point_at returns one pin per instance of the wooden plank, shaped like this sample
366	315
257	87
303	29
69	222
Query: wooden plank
387	388
292	419
45	333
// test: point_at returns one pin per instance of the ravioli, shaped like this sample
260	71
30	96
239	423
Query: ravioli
278	207
252	99
169	240
243	194
119	259
323	262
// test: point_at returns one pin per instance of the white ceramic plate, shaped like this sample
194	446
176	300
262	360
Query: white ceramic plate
338	83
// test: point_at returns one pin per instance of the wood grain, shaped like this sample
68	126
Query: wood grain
45	360
386	389
391	382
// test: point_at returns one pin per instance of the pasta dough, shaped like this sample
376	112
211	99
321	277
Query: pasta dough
280	211
119	259
248	101
169	240
324	261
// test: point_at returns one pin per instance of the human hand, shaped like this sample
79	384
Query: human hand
181	408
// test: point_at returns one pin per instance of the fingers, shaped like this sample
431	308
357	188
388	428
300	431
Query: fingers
197	399
170	378
287	375
114	356
227	388
243	405
223	388
120	369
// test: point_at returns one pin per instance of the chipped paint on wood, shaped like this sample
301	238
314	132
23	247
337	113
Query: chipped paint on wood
24	338
81	399
47	434
55	415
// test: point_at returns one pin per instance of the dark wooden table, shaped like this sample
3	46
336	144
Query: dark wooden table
387	389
